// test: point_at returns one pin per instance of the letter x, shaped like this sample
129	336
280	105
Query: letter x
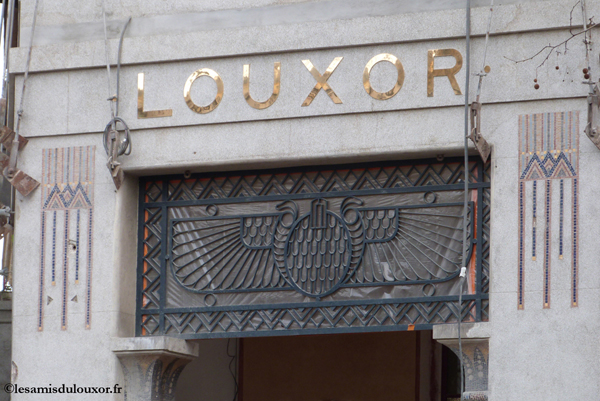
322	81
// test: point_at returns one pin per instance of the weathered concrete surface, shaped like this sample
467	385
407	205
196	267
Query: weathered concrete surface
545	354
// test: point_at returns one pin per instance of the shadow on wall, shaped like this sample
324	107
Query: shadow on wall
208	378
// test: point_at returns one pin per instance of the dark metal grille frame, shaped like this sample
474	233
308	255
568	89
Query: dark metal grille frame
157	194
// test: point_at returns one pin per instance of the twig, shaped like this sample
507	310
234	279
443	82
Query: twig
552	47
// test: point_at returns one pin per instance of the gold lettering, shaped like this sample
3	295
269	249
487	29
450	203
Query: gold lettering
188	86
276	86
140	103
322	81
449	72
367	75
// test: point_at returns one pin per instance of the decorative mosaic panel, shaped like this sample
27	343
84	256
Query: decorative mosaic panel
548	155
66	230
363	247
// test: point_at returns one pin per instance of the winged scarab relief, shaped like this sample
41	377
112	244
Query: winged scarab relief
317	247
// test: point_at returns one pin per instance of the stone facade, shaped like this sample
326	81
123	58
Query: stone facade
75	287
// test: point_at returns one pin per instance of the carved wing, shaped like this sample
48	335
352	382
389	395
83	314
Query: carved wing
412	244
216	254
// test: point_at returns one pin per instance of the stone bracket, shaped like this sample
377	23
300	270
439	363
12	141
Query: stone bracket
475	350
152	365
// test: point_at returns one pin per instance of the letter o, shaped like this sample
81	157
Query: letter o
367	76
188	86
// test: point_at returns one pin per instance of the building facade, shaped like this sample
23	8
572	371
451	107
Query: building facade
274	190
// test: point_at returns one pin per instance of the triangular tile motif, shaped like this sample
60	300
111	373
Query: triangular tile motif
548	151
67	193
534	171
562	162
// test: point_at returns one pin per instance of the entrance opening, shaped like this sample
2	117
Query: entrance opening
383	366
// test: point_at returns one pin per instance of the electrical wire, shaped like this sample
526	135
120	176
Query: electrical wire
4	32
15	145
124	147
482	72
7	44
119	66
111	97
466	191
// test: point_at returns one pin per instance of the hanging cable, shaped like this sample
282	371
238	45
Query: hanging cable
111	97
115	143
119	65
7	45
15	144
482	72
479	141
466	196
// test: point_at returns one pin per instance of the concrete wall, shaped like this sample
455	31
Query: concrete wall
65	106
208	377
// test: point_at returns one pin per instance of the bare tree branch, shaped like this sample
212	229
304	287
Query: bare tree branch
552	48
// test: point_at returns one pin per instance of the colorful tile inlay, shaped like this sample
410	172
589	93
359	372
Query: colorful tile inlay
521	242
534	222
547	244
548	150
561	217
575	256
67	185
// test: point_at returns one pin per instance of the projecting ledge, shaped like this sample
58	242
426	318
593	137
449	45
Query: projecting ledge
152	365
475	354
468	330
153	346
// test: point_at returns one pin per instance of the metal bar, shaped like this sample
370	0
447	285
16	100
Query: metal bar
163	259
282	332
140	266
318	304
385	191
479	256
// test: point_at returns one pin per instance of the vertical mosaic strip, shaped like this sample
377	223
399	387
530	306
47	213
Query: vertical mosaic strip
67	191
575	247
561	217
521	243
88	284
534	222
65	288
547	244
548	150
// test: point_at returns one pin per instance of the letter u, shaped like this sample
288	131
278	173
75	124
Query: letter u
276	86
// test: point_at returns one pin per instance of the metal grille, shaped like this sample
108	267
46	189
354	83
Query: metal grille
364	247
